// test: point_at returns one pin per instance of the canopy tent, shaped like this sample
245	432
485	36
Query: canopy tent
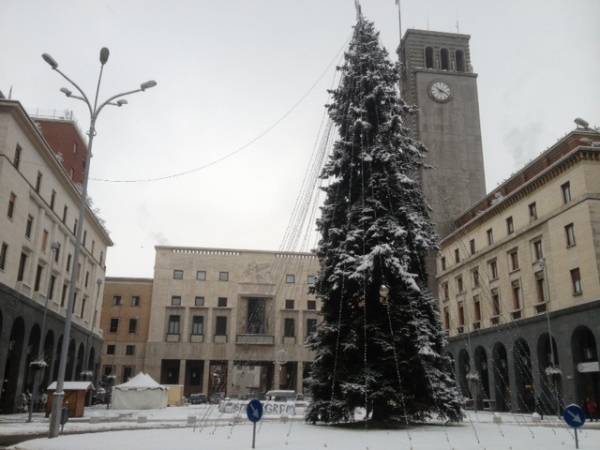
140	392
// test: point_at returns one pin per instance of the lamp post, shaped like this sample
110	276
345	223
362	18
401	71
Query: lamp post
94	110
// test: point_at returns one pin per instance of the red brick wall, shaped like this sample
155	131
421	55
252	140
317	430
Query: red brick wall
65	139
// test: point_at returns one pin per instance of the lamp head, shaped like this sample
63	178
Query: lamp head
147	85
50	60
121	102
104	53
66	91
384	291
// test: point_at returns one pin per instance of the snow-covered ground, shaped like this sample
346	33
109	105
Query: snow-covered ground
220	431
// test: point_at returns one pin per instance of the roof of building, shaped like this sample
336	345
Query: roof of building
17	108
128	280
526	179
229	251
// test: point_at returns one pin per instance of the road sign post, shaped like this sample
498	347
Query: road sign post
574	417
254	411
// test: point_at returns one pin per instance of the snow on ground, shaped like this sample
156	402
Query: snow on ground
297	435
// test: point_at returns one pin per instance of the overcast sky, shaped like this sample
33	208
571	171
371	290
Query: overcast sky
228	69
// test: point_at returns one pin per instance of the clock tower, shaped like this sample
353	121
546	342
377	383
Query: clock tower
438	78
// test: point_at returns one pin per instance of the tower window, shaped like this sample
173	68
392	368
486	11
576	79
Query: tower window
429	57
444	58
460	61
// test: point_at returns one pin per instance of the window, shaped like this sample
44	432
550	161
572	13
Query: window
444	59
443	261
533	212
446	318
459	284
566	192
114	325
475	276
101	258
289	304
3	253
174	324
63	296
64	216
178	274
576	281
290	278
456	256
495	302
82	307
132	326
87	278
223	276
197	325
127	373
445	290
461	315
201	275
477	308
311	326
513	257
472	246
93	246
29	226
311	305
570	234
510	226
135	300
51	287
44	241
38	182
110	349
538	252
429	57
17	158
130	350
38	277
11	205
222	302
199	301
289	327
75	226
493	265
56	249
84	237
108	370
490	236
221	326
460	60
311	280
175	300
516	293
22	266
117	300
52	199
539	285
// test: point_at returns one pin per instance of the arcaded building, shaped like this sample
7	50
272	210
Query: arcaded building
231	321
519	284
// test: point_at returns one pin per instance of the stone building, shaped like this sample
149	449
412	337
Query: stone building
221	320
125	320
38	218
519	283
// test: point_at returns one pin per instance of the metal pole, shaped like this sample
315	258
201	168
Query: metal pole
576	439
36	377
550	339
253	434
59	394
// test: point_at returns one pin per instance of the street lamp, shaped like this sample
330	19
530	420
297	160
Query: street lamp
94	110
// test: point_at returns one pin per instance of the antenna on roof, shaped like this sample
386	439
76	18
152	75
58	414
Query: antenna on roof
581	124
10	93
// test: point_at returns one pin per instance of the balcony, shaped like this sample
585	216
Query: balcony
255	339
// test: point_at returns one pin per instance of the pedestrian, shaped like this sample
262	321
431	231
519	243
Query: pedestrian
591	408
539	407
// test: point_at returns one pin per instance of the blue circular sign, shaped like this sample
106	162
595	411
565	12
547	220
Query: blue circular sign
254	410
574	416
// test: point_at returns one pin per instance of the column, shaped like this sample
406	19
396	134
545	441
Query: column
512	380
206	376
182	372
300	380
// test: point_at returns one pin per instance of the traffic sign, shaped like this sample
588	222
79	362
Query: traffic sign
254	410
574	416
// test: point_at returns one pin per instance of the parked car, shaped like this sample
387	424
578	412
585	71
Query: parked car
216	397
198	399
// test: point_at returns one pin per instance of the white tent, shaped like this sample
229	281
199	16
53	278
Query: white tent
140	392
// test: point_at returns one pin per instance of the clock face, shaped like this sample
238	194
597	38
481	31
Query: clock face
440	91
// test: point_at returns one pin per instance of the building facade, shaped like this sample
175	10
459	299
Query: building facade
519	284
229	321
125	320
38	219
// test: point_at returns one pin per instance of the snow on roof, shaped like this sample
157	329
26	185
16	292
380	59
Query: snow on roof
73	386
140	382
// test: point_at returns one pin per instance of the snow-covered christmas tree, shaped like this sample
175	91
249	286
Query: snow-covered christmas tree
380	344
